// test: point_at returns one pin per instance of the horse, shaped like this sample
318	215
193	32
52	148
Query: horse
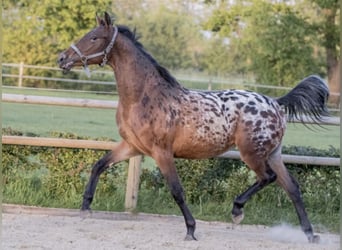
158	117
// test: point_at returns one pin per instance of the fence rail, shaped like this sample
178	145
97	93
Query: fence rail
60	101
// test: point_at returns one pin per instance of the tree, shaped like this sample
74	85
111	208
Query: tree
169	35
36	31
273	37
326	22
223	59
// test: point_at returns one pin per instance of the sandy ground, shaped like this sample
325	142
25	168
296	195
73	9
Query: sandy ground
40	228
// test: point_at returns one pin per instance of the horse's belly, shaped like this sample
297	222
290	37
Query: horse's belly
204	142
200	152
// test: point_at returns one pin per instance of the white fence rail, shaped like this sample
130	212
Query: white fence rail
60	101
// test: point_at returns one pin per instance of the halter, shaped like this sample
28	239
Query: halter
103	53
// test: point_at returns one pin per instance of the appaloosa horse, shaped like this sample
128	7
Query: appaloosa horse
158	117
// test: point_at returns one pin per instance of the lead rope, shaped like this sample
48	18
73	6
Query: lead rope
84	58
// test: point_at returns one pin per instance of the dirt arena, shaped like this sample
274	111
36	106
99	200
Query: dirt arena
43	228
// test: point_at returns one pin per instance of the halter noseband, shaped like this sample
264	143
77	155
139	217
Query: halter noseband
103	53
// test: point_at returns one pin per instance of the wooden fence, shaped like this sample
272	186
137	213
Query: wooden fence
135	162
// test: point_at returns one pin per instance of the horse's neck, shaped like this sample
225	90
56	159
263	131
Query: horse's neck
134	72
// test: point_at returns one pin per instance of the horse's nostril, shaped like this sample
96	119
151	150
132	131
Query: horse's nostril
61	58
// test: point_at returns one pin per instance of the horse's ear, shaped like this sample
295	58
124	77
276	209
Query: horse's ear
99	20
108	20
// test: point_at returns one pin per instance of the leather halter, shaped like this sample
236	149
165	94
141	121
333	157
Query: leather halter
103	53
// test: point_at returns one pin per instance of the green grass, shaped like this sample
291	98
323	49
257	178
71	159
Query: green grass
43	119
317	137
96	123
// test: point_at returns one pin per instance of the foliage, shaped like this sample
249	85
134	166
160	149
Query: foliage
171	37
36	32
310	151
277	41
222	59
273	39
52	25
53	176
328	26
327	23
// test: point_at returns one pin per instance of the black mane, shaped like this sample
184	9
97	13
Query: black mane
163	72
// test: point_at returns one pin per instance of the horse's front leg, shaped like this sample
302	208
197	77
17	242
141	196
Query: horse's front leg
121	152
167	166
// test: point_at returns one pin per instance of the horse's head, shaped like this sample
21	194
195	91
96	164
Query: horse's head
93	48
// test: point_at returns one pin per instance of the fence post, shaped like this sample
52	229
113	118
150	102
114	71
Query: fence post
133	179
209	84
21	73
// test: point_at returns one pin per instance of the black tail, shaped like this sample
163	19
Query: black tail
307	100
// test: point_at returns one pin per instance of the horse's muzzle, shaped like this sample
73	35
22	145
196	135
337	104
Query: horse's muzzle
64	63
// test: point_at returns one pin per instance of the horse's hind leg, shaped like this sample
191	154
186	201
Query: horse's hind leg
290	185
121	152
265	176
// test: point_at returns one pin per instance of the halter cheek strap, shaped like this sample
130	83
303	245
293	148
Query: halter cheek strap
104	53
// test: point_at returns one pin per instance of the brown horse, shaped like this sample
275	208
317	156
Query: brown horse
158	117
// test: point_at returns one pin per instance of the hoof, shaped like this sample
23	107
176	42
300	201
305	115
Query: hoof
85	213
190	233
237	218
190	237
315	239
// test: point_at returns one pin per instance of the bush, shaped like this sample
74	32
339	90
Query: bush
53	176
